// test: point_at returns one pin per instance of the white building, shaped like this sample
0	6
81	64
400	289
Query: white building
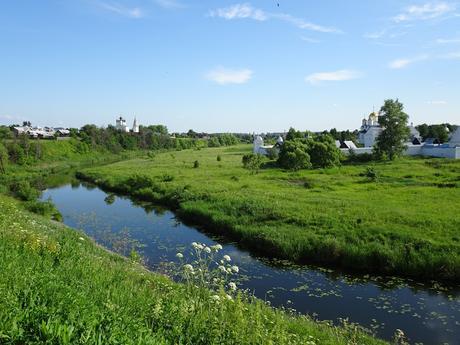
135	126
370	130
261	149
121	125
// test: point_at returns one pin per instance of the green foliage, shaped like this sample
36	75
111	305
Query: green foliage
3	158
252	162
293	134
323	152
391	142
44	208
196	164
371	174
23	190
439	132
58	287
16	154
219	158
293	155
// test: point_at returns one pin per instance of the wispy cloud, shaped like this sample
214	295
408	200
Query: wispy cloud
429	10
448	40
340	75
247	11
131	12
239	11
309	39
169	4
224	76
451	56
437	102
405	62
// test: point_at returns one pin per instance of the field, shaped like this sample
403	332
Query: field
59	287
398	217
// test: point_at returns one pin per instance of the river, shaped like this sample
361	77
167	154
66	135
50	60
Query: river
428	313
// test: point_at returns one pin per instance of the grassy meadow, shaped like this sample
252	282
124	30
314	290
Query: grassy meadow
400	219
58	287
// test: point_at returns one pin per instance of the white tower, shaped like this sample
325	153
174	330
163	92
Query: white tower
258	143
121	125
135	126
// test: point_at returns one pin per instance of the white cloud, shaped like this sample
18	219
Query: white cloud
131	12
340	75
302	24
247	11
447	40
224	76
309	39
169	4
436	102
451	56
429	10
402	63
239	11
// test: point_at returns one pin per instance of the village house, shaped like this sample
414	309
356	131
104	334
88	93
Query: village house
37	132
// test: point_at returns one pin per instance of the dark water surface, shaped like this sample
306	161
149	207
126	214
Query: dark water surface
427	313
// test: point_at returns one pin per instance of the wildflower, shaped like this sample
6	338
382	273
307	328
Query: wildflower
215	298
188	268
222	269
179	255
229	297
207	250
216	247
194	245
232	286
235	269
227	258
229	270
81	238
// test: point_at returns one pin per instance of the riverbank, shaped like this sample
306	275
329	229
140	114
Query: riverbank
400	220
58	286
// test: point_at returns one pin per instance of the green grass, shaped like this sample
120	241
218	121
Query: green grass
59	287
405	221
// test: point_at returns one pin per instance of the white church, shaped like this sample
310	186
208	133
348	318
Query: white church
261	149
121	125
371	129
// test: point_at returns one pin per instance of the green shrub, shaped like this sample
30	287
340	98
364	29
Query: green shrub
252	161
293	155
24	191
196	164
44	208
219	158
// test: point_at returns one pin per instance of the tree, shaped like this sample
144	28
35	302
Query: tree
252	162
390	143
323	152
294	155
292	134
3	158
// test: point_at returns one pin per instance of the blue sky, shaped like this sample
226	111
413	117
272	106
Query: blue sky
214	65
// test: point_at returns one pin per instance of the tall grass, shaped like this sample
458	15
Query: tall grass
394	218
58	287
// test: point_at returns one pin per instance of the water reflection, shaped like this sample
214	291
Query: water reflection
428	313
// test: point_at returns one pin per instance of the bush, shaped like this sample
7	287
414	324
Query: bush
219	158
252	161
44	208
196	164
24	191
167	178
324	154
371	174
293	155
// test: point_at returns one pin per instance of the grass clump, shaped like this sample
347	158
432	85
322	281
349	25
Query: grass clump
58	287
